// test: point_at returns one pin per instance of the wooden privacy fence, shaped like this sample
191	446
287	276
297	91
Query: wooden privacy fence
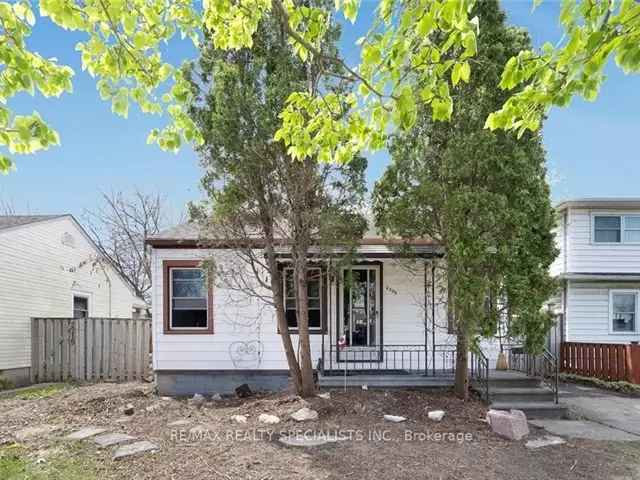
607	361
90	349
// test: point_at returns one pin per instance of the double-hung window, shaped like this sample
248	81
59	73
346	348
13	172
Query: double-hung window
315	288
616	228
623	307
188	299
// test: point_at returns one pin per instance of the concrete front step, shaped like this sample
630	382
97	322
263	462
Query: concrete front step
521	394
384	381
515	382
534	410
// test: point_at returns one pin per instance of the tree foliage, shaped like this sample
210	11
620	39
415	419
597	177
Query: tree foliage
481	194
260	198
415	52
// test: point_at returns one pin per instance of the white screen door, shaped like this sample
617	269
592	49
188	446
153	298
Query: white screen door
359	320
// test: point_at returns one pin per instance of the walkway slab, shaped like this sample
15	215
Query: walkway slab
109	439
85	433
136	448
584	429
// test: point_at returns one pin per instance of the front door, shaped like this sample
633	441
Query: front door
359	319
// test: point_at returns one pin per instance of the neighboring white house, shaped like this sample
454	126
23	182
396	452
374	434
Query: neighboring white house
212	339
599	267
48	268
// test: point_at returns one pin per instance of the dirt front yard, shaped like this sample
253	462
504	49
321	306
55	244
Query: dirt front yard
208	442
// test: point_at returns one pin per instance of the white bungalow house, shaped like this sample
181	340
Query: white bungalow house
599	269
48	268
391	315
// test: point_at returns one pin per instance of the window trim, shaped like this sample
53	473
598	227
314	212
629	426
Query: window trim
613	292
167	265
86	296
323	299
623	227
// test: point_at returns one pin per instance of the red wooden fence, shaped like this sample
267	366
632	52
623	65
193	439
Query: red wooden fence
607	361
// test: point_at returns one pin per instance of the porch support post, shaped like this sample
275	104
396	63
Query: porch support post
426	319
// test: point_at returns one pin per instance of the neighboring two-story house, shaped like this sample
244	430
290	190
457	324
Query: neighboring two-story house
599	269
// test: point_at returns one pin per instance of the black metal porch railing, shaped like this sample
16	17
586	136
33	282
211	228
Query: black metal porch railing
388	359
544	366
479	372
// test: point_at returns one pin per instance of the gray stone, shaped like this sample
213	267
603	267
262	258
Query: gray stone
179	423
307	441
365	387
197	400
216	397
394	418
108	439
325	395
511	425
240	419
304	414
585	429
36	431
436	415
268	419
84	433
546	441
134	449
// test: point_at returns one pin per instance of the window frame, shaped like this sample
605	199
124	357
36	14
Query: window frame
623	227
613	292
75	295
323	299
167	266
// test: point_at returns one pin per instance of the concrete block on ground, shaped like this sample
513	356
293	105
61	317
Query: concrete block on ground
511	425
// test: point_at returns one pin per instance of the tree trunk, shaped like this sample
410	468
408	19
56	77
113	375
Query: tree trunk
302	305
462	367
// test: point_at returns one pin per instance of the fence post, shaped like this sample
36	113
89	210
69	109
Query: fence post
633	363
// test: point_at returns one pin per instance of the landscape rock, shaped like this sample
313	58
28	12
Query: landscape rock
307	441
179	423
134	449
511	425
436	415
546	441
85	433
216	397
325	395
153	408
239	419
304	414
109	439
243	391
128	409
197	400
268	419
365	387
394	418
37	431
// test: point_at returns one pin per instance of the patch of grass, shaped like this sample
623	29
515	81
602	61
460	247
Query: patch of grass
619	386
5	383
38	392
16	464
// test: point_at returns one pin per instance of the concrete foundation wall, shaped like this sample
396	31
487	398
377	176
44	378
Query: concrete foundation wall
19	377
208	382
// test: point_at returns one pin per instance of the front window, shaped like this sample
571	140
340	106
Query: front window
189	300
623	311
314	294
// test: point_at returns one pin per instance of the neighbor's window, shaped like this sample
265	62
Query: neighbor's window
80	307
189	299
607	229
623	311
314	293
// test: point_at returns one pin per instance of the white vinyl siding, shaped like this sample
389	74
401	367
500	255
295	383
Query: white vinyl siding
583	255
246	336
589	312
41	270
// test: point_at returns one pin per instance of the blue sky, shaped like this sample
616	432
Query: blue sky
591	147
